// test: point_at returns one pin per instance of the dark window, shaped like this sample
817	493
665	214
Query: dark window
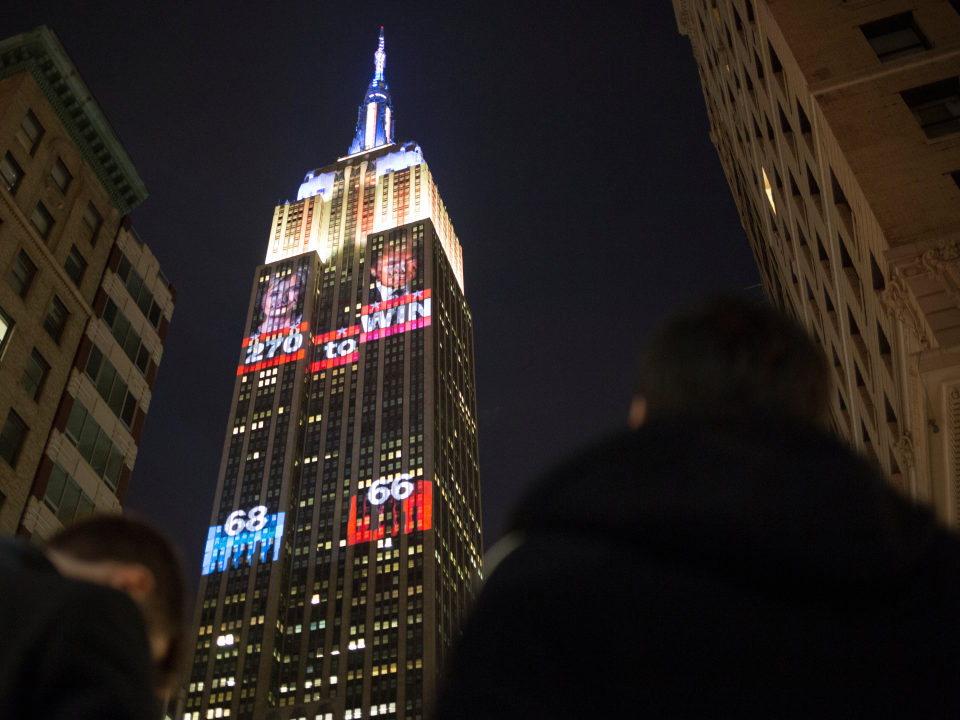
75	265
21	274
154	316
94	444
11	438
11	173
56	319
879	283
126	336
65	497
42	220
92	223
111	386
956	173
34	374
936	106
61	176
955	4
895	36
776	67
135	286
30	133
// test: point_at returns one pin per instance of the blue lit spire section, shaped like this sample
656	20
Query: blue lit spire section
375	119
379	59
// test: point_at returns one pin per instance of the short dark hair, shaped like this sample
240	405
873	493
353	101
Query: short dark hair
129	540
727	352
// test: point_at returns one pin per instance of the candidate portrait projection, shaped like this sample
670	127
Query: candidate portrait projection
277	329
397	300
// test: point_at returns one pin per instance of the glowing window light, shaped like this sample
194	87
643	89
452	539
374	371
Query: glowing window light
769	189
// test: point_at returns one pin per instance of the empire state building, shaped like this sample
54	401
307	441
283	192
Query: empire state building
345	538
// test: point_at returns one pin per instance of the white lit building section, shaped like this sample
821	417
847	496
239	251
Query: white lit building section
316	192
371	130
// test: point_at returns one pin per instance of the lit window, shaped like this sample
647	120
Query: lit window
75	265
10	173
42	220
30	133
11	438
61	176
21	274
6	329
34	374
936	106
769	190
92	221
56	319
895	36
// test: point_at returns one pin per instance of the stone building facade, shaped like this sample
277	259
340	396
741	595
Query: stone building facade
838	126
84	307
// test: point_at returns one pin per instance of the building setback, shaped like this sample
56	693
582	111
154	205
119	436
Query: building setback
838	127
84	308
345	538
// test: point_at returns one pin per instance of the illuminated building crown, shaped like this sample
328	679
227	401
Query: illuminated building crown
375	120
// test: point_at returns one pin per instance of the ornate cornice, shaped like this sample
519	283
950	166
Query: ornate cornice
40	53
897	303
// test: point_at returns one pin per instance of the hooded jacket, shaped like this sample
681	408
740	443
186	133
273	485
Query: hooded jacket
742	566
69	650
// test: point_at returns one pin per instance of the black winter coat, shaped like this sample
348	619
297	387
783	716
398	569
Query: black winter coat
69	650
724	567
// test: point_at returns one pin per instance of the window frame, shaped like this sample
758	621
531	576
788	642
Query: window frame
32	149
5	318
111	386
94	231
59	483
928	96
889	26
41	210
88	436
18	171
75	255
56	302
24	286
62	166
111	312
23	428
44	367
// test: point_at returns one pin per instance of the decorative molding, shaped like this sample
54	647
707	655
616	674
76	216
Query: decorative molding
904	446
40	54
897	303
944	263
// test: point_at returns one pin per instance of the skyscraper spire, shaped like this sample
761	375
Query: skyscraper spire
379	58
375	119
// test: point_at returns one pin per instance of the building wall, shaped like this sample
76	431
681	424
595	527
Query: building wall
27	508
850	208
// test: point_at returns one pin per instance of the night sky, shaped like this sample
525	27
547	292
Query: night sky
570	145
